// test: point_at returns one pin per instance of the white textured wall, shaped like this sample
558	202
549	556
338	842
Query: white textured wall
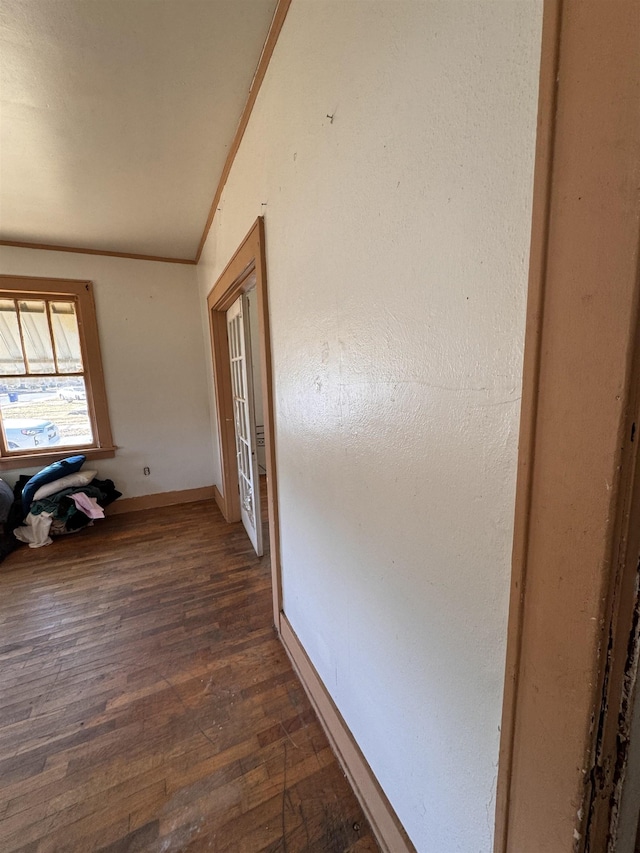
154	363
397	250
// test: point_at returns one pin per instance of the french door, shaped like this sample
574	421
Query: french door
244	420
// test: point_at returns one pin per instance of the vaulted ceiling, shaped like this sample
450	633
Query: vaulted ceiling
116	117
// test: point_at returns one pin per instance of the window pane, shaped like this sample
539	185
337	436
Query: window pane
38	414
36	336
11	360
66	337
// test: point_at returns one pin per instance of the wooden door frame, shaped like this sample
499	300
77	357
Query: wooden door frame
572	636
237	278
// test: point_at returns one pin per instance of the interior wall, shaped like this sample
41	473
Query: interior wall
206	275
153	357
391	152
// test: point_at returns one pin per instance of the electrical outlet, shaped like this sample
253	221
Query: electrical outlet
146	471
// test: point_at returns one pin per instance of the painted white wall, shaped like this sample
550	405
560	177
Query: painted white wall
206	274
397	249
153	355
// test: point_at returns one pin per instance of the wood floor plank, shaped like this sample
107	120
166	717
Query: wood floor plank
146	703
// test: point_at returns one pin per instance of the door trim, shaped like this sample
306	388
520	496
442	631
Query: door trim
547	105
236	279
573	596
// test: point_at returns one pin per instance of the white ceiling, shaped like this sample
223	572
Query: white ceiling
116	117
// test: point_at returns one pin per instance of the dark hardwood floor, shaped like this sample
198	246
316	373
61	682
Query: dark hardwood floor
147	705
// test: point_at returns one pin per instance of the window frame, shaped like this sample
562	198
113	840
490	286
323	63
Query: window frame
102	447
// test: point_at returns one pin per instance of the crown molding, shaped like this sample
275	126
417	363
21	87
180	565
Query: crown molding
267	52
82	251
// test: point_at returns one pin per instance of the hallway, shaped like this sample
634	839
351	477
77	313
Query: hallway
147	705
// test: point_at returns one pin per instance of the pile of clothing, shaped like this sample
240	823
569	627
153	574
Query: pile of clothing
59	499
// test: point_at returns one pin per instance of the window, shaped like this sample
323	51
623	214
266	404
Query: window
52	395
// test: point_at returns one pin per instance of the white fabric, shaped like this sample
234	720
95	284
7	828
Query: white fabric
35	530
81	478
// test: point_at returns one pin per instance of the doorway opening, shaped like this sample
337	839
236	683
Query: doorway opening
245	376
242	287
